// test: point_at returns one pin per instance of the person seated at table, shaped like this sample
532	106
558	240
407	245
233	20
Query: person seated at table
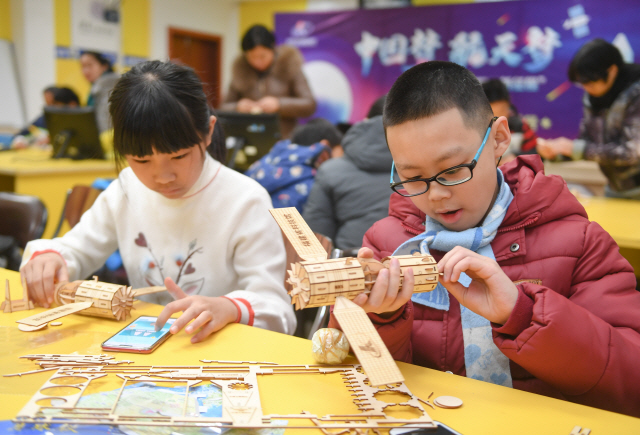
523	138
179	217
351	193
288	170
610	128
533	296
36	133
269	79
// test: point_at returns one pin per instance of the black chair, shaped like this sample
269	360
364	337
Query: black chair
22	219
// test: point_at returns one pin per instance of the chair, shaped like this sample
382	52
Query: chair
22	217
310	319
79	199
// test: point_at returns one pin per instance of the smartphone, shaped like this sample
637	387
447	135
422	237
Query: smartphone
440	429
139	336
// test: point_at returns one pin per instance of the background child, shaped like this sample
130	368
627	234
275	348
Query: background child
178	216
523	139
288	171
542	299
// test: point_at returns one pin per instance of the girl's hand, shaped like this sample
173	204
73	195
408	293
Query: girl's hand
386	297
40	275
210	313
491	293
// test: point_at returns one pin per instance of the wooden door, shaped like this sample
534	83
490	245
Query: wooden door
203	53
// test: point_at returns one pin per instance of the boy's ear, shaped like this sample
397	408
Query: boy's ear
502	136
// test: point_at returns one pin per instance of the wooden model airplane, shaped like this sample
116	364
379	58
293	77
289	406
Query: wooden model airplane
318	281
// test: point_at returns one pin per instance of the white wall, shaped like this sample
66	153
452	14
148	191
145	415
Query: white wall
331	5
219	17
33	34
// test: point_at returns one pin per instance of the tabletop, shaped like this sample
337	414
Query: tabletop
619	217
31	162
487	409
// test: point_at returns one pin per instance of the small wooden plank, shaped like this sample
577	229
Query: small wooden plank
148	290
296	230
56	313
366	343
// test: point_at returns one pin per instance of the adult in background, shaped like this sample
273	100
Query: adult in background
269	79
351	193
97	69
610	127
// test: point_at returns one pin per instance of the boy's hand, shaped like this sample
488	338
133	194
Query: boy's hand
491	293
41	274
210	313
386	296
551	148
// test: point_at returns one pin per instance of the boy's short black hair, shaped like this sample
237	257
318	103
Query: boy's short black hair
257	36
65	96
377	107
434	87
496	90
314	131
592	61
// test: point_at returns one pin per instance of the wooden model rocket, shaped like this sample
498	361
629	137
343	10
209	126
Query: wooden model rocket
320	281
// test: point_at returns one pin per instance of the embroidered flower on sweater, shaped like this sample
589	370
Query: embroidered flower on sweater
153	268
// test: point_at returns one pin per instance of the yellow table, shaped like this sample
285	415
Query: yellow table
487	409
619	217
33	172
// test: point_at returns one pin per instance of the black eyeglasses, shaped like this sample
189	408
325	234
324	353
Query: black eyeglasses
449	177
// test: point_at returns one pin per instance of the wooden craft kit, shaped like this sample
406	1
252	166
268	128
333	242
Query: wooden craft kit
320	281
90	298
238	382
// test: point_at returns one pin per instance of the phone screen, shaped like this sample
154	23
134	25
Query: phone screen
139	336
440	429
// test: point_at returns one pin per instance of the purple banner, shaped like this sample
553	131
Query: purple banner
354	57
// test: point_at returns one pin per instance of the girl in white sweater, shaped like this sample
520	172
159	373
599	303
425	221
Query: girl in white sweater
178	216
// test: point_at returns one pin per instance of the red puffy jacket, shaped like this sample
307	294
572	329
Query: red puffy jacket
574	332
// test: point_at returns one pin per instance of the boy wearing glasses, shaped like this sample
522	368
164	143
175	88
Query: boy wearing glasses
533	296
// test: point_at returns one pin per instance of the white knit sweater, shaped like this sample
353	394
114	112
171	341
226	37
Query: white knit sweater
219	239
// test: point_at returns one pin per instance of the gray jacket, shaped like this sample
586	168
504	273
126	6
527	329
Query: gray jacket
100	91
611	135
352	192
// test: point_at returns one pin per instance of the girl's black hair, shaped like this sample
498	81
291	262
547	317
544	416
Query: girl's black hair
101	58
592	62
158	106
258	36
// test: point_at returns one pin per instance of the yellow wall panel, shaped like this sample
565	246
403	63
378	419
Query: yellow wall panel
68	73
5	19
261	12
136	28
62	11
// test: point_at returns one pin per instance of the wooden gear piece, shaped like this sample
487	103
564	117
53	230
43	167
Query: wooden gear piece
241	406
112	301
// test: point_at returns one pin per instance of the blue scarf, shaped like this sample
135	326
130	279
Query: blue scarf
483	359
